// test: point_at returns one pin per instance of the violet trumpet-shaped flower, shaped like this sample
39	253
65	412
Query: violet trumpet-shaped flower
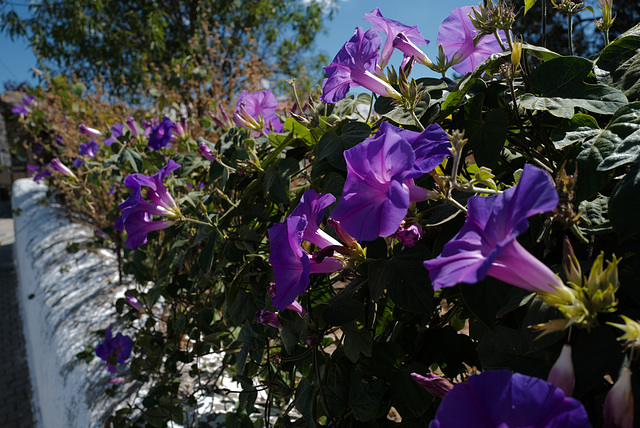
410	49
500	398
89	149
487	245
20	110
266	317
92	132
356	64
116	131
256	111
28	100
434	384
114	350
136	211
131	124
409	236
133	301
562	373
456	35
161	134
206	152
291	264
379	185
392	29
62	168
618	406
294	306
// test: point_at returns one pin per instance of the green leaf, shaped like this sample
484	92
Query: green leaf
341	308
294	329
486	135
356	341
132	158
385	107
618	52
624	205
577	129
365	396
332	146
594	217
208	252
305	401
560	83
625	126
276	185
252	340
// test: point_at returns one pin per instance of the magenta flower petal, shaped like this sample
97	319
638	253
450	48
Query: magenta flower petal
312	207
456	35
290	263
116	131
486	244
114	350
20	110
499	398
261	104
355	64
161	134
391	29
89	149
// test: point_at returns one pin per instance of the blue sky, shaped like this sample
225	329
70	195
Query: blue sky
16	59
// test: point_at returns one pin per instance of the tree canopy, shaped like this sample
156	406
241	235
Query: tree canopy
125	41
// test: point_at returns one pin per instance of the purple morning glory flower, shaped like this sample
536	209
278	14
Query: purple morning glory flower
32	169
92	132
131	123
409	236
206	152
114	350
291	264
356	64
20	110
77	162
133	301
257	111
89	149
267	317
456	35
161	134
28	100
62	168
379	185
116	131
434	384
499	398
487	245
42	174
136	211
392	29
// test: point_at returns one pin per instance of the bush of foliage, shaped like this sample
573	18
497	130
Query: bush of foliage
438	250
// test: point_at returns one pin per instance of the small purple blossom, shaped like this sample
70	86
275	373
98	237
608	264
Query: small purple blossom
161	134
267	317
392	29
131	123
92	132
62	168
32	169
28	100
206	152
20	110
618	405
291	264
114	350
434	384
409	236
89	149
562	373
41	175
134	302
116	131
456	35
38	149
136	211
487	245
58	139
356	64
380	173
77	162
500	398
257	111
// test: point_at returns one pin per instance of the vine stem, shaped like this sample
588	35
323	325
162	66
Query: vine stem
415	118
570	34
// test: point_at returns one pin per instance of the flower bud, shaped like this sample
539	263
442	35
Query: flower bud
570	263
135	303
206	152
618	406
62	168
266	317
434	384
89	131
562	374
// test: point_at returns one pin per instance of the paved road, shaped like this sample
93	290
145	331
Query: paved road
15	386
